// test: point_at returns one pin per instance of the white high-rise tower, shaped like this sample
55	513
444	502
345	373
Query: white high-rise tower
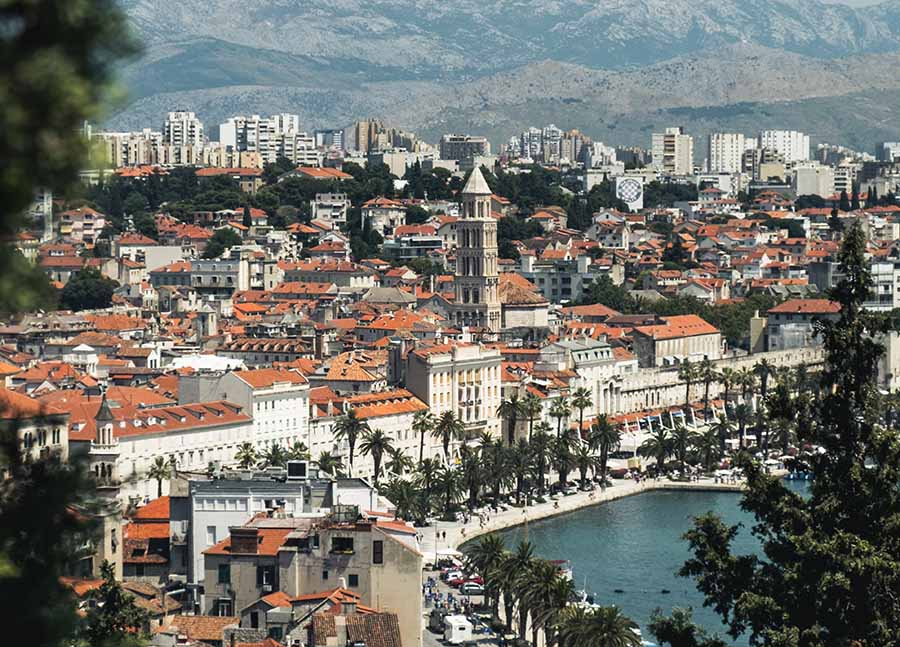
477	273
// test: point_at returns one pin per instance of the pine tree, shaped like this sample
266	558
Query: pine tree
832	561
248	219
844	202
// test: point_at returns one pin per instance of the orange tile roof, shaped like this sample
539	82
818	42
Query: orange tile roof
678	326
387	403
213	171
156	510
323	173
262	378
146	530
270	540
806	306
15	405
203	628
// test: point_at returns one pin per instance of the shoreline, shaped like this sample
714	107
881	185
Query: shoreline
458	533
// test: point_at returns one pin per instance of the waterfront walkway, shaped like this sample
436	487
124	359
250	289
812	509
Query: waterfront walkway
434	541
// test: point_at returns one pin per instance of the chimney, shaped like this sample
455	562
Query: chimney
244	540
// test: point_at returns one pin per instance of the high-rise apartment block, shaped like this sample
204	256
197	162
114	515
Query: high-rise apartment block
461	147
182	128
673	152
793	145
726	152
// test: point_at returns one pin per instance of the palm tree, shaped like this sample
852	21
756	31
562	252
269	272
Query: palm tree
329	463
658	446
537	588
398	462
507	579
562	455
299	452
706	372
560	410
764	369
376	444
274	456
448	485
531	408
579	626
483	556
551	598
422	424
246	456
427	474
742	415
746	378
681	442
495	456
407	500
521	562
581	400
706	444
520	462
687	373
159	471
607	438
728	376
541	444
449	428
584	461
509	410
723	430
471	473
350	428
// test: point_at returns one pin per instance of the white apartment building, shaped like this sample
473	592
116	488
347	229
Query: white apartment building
792	145
812	178
182	128
271	137
598	154
726	152
462	378
673	152
330	207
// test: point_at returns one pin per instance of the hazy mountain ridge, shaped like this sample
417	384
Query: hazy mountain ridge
486	64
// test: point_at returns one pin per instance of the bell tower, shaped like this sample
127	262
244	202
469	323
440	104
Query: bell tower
477	279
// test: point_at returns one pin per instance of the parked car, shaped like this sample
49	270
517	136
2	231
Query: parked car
471	588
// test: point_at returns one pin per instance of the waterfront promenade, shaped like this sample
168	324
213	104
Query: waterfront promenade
433	540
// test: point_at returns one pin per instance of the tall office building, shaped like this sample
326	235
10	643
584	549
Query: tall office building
182	128
793	145
271	137
726	152
673	152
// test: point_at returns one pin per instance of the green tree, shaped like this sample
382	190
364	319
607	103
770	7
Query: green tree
330	464
448	484
159	471
581	400
274	456
246	456
658	445
448	429
585	460
484	556
560	410
221	240
349	429
687	373
679	630
844	202
510	410
113	620
376	444
579	626
832	565
398	462
423	423
606	437
88	290
531	409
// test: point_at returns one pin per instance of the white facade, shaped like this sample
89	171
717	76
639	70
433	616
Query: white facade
793	145
812	178
726	152
182	128
673	152
463	379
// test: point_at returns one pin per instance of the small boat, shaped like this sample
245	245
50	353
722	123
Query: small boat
618	591
665	591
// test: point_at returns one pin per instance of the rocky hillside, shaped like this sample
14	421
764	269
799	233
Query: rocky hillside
498	65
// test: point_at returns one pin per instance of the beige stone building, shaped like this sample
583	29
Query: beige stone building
676	339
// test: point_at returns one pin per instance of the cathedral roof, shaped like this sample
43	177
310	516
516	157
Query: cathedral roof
477	185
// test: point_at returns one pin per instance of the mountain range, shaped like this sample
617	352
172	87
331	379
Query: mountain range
617	70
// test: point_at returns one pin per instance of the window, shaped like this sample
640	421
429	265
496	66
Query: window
254	619
265	575
378	552
210	535
324	575
342	545
353	580
139	570
224	574
223	607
